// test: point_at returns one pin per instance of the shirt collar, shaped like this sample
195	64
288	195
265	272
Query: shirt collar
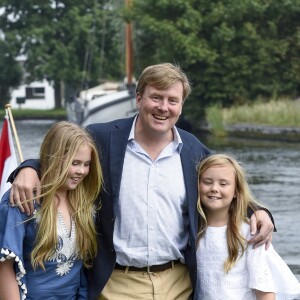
177	142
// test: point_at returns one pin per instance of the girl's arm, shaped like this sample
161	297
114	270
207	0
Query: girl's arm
264	295
9	289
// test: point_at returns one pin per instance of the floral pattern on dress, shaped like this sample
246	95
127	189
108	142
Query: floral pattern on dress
65	253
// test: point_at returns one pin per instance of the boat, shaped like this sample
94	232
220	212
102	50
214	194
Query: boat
108	101
102	103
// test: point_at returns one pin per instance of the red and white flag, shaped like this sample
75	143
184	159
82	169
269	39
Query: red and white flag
8	160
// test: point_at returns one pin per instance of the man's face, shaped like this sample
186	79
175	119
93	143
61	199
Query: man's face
159	110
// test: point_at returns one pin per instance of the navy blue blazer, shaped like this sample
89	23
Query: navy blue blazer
111	139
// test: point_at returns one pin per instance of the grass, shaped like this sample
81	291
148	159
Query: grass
37	113
214	120
280	113
277	113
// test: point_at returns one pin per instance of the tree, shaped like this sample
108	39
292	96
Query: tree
232	50
10	75
63	40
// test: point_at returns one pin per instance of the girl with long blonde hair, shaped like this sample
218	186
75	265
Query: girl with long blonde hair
42	256
227	268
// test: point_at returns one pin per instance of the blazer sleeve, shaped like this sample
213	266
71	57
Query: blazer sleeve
250	212
31	163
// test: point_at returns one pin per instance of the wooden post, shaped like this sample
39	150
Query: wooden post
8	108
129	48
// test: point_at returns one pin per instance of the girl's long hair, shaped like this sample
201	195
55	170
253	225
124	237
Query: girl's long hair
57	152
238	210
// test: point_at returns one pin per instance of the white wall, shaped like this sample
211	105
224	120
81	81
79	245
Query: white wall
44	103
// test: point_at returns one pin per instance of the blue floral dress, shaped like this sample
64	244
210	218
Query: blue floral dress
63	277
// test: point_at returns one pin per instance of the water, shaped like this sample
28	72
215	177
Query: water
31	134
273	168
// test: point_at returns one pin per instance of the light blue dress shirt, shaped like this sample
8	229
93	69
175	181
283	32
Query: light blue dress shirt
151	226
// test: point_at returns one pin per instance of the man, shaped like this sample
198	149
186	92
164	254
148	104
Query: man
148	219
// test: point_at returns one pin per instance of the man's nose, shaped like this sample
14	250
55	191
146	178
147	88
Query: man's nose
163	104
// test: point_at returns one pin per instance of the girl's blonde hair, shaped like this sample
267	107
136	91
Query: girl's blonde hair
238	210
57	152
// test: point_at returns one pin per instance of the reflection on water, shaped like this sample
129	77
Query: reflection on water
273	169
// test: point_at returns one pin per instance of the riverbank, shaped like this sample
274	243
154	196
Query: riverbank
257	132
267	120
283	134
37	114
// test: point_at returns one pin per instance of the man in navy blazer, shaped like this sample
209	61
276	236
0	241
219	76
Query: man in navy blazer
148	221
112	139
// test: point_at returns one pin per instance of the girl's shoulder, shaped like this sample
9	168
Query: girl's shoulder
12	212
6	208
245	230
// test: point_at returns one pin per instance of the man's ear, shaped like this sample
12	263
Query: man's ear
138	99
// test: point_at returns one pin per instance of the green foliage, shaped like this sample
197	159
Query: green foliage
64	41
214	119
232	50
10	74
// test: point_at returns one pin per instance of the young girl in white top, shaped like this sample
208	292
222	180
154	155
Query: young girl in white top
227	267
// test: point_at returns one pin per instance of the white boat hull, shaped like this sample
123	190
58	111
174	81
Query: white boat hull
109	107
105	108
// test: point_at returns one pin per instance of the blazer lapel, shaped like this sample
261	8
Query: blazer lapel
189	166
118	144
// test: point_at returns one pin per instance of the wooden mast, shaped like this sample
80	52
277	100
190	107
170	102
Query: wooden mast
128	47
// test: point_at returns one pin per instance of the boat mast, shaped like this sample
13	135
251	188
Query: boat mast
128	46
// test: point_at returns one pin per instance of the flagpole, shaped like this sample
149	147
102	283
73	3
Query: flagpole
8	108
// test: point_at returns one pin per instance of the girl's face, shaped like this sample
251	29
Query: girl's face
79	169
217	187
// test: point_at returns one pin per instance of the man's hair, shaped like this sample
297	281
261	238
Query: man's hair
162	76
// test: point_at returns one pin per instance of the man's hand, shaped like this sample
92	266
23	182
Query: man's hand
261	228
25	186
